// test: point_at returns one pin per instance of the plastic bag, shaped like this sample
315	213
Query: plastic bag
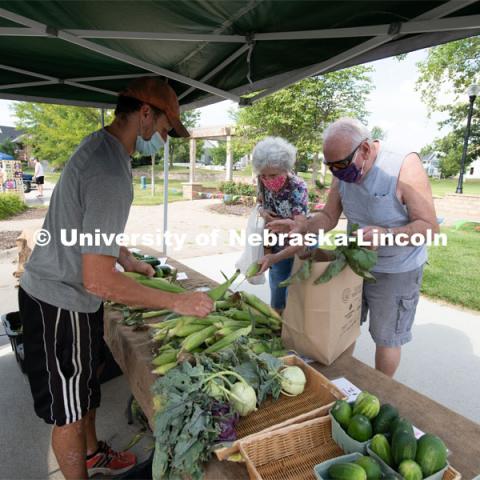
252	253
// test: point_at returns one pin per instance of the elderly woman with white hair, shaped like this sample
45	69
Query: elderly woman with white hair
282	195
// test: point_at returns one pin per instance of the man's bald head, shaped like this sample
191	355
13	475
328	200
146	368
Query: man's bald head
343	136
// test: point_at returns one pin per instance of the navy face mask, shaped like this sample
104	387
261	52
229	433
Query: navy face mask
351	174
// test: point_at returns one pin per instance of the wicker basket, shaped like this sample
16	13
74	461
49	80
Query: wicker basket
316	400
291	453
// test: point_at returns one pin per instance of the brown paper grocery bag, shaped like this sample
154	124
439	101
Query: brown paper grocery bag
322	321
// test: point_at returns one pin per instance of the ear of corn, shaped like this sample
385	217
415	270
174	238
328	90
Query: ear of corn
163	369
158	283
228	340
168	356
252	270
153	314
186	330
218	292
196	339
255	302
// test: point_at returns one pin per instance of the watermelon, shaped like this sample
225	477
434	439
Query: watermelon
431	454
384	419
410	470
371	467
342	412
404	447
401	423
360	428
367	405
347	471
381	447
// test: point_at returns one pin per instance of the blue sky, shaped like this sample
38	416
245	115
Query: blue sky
394	105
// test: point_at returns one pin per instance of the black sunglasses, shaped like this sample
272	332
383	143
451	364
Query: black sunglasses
342	164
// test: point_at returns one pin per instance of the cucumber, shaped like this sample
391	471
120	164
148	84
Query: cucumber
410	470
347	471
431	454
360	428
381	447
342	412
401	423
367	405
384	419
371	467
404	447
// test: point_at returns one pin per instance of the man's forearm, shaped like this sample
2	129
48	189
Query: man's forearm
416	227
287	253
320	221
121	289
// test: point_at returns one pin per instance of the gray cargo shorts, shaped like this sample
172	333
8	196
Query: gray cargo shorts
392	303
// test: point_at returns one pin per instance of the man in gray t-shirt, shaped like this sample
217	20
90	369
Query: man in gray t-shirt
64	283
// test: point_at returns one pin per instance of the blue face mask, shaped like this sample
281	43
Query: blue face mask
149	147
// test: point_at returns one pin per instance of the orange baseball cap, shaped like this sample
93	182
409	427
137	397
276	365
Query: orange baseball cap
158	93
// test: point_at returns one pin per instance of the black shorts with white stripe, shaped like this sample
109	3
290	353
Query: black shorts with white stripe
63	351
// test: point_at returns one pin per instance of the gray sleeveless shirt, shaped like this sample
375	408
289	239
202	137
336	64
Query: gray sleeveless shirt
374	201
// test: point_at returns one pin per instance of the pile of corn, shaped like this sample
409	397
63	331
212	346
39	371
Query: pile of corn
236	315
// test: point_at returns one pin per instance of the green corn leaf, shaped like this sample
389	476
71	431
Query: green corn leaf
333	269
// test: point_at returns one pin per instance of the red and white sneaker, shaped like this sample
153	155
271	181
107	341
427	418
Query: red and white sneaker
108	462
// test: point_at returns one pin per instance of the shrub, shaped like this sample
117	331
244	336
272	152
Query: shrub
242	189
228	188
10	204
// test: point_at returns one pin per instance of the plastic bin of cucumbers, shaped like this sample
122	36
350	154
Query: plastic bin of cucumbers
367	427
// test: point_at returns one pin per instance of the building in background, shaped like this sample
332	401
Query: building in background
472	172
431	164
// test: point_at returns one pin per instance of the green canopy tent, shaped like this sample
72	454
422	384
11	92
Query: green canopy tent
84	52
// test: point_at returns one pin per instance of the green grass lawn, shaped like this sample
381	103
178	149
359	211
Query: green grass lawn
453	272
52	177
448	185
145	197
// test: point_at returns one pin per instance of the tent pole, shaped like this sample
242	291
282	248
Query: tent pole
166	152
153	175
102	117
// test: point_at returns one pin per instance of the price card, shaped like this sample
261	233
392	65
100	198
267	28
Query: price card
182	276
417	432
347	387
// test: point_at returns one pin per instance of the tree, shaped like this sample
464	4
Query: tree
378	133
451	68
8	147
219	153
301	112
180	147
55	131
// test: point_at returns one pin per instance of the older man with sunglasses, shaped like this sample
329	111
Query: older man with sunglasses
383	192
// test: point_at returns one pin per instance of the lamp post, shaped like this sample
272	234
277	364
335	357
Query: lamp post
473	91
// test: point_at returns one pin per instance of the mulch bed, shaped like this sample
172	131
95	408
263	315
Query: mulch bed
241	210
7	239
